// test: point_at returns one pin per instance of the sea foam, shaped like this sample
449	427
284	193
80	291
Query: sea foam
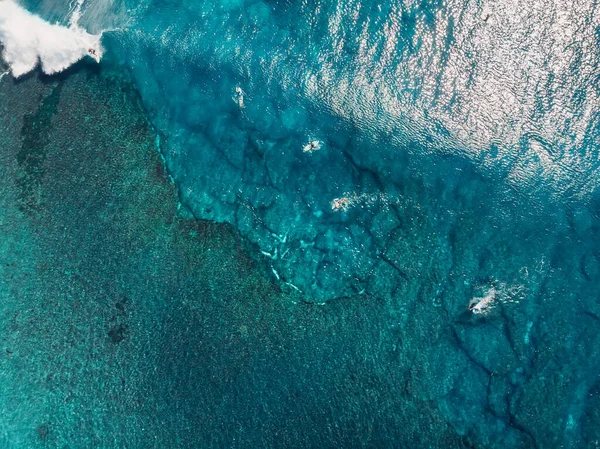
28	39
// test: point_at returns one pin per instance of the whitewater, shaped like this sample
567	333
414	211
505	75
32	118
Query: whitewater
28	41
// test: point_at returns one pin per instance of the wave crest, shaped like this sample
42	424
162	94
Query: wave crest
29	40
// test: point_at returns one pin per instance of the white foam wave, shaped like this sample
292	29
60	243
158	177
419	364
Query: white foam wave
27	40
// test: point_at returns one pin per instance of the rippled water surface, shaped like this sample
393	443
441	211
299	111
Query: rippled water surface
452	192
391	90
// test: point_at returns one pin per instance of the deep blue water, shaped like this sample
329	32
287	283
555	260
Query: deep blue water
461	141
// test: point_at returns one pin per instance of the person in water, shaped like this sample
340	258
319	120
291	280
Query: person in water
311	146
482	305
240	96
342	203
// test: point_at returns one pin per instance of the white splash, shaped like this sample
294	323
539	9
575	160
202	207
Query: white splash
312	146
482	305
27	40
497	293
344	203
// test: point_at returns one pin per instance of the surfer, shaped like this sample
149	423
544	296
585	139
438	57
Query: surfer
240	96
342	203
483	305
94	54
311	146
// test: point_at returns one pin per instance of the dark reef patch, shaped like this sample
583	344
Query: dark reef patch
117	333
32	156
43	431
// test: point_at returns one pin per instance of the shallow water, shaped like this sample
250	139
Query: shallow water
447	225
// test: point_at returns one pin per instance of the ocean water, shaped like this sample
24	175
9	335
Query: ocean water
425	276
406	100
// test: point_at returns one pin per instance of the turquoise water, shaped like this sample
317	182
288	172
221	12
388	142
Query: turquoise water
412	103
427	278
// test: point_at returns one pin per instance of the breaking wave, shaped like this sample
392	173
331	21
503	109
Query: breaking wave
29	40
